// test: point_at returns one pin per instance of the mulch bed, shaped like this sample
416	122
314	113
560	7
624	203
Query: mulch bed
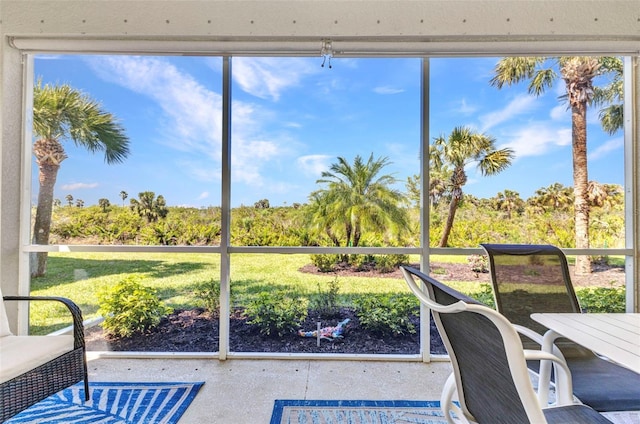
195	330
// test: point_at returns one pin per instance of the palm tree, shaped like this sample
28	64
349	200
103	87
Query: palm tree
578	74
358	198
319	216
612	94
437	186
124	195
413	189
61	113
438	182
150	207
460	149
556	196
605	195
104	204
69	199
510	202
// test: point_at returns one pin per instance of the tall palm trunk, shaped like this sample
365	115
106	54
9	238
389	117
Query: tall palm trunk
578	74
453	206
580	184
49	154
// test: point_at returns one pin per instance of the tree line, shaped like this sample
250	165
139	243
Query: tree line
545	217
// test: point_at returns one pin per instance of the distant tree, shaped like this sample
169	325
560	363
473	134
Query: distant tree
79	203
461	148
57	203
439	176
64	113
357	198
104	204
413	189
69	199
150	207
554	197
438	179
510	202
124	195
605	195
262	204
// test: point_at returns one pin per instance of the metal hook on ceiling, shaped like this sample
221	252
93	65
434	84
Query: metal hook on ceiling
326	51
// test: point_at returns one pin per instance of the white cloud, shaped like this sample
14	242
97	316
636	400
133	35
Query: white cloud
560	113
519	105
606	148
248	157
79	186
267	77
204	195
538	139
387	90
313	165
192	121
465	108
193	112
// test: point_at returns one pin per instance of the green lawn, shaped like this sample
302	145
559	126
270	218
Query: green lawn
176	276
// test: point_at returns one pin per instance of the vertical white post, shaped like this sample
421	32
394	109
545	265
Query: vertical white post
632	180
24	264
425	327
225	219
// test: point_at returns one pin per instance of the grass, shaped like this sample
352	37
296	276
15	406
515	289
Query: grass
177	277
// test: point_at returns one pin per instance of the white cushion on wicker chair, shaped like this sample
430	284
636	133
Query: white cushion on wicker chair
19	354
4	322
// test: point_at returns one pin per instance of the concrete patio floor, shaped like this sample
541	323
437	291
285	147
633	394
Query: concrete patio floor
239	391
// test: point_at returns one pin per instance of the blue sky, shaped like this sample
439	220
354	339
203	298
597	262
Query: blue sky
292	118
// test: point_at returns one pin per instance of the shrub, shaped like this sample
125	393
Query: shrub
325	263
479	263
485	295
360	262
387	314
602	299
129	307
277	312
208	296
326	301
388	263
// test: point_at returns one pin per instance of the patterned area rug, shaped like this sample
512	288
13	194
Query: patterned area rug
381	412
357	412
113	403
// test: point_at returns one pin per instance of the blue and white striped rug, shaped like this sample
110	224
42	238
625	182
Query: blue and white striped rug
357	412
113	403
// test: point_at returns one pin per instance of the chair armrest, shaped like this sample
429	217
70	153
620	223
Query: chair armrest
564	384
76	313
448	406
537	337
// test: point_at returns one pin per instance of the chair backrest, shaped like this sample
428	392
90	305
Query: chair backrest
486	354
528	279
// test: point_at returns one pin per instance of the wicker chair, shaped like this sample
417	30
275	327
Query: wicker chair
54	362
535	278
489	365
